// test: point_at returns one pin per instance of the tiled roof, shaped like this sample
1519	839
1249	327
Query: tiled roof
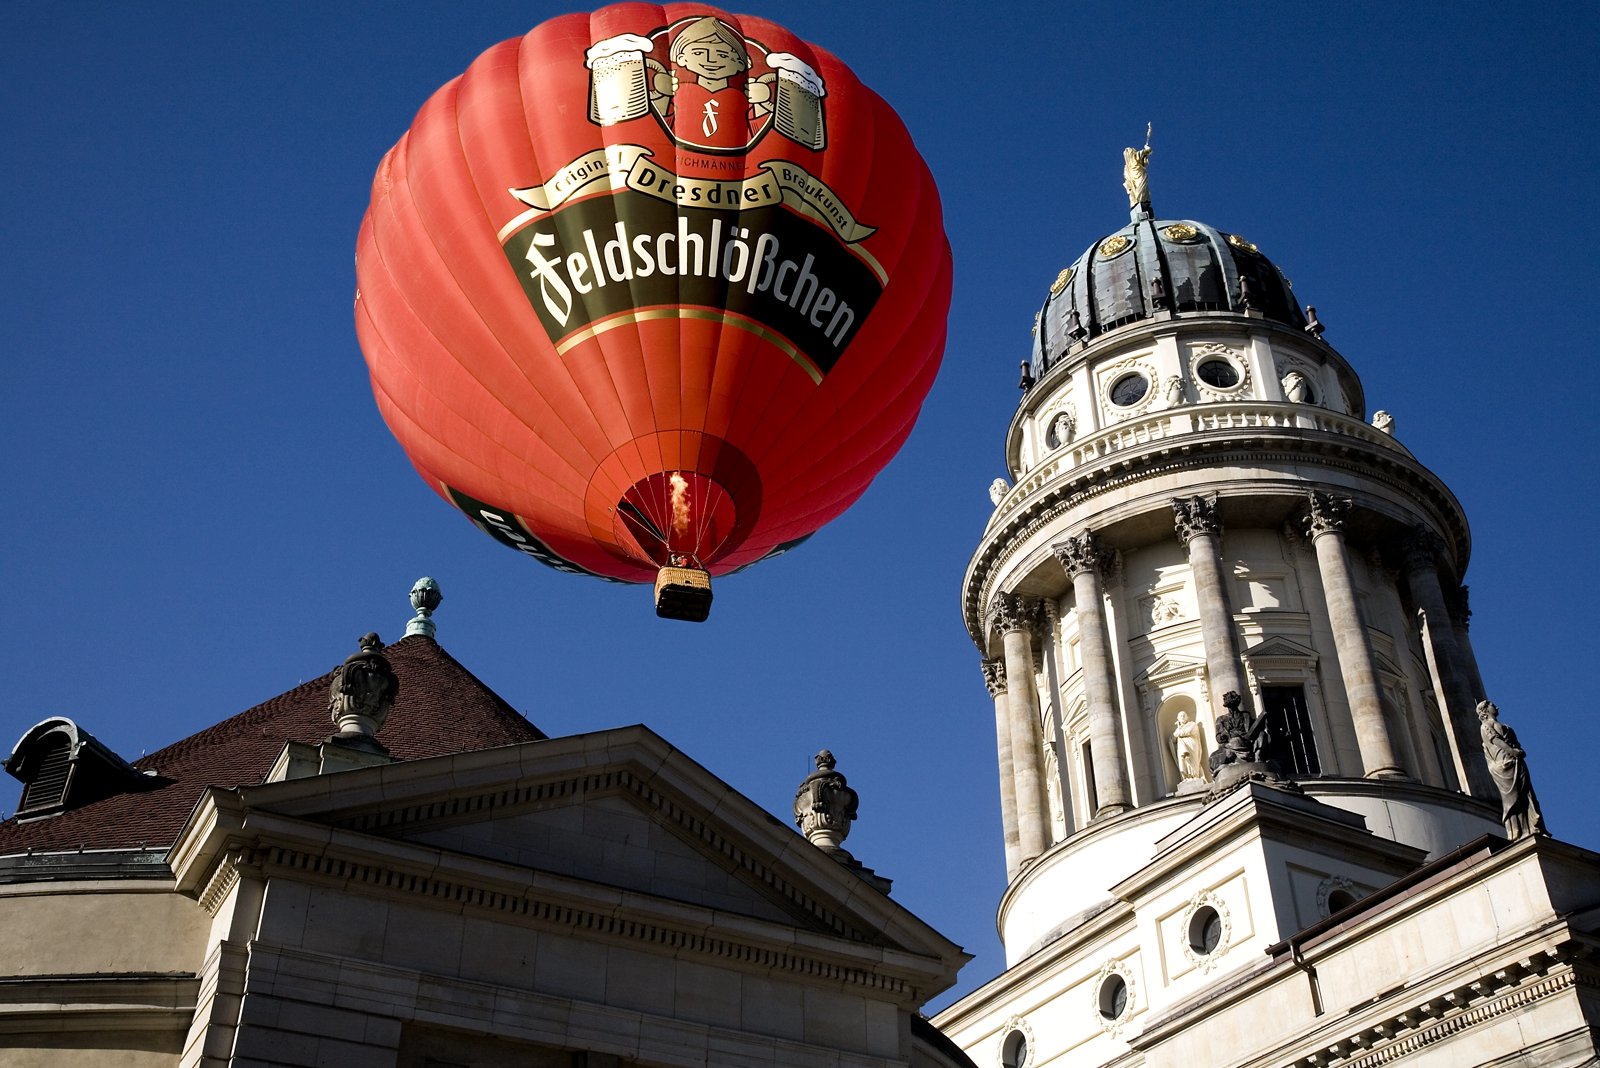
441	708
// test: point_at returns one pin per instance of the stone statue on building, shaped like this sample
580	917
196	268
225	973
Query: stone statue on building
362	692
1188	748
1382	420
997	491
1052	786
1296	388
1241	737
1135	171
1508	765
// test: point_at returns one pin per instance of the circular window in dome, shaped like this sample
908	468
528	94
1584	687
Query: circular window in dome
1113	997
1205	930
1129	390
1218	373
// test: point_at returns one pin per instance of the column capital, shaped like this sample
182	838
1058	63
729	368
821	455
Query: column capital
1010	611
1082	553
1194	516
994	676
1422	548
1327	513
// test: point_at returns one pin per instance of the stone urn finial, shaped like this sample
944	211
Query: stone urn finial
425	597
363	691
824	805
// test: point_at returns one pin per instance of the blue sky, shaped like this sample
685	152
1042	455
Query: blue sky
205	507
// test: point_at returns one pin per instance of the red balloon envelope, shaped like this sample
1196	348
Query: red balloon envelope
653	285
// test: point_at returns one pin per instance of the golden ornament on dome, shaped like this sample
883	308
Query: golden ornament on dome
1114	245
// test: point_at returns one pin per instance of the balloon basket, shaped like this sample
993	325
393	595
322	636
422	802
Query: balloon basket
683	593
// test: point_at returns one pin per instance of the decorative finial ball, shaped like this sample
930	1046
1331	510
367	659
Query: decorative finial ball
425	595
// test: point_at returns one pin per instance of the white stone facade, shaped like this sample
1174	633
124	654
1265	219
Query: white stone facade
1198	505
595	900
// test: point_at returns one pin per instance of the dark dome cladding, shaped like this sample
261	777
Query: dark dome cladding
1199	268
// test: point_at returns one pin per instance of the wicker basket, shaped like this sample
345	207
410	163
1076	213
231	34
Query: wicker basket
683	593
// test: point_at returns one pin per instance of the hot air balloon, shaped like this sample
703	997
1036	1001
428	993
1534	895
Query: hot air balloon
652	293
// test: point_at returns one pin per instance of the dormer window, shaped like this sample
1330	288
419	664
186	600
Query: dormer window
45	771
63	766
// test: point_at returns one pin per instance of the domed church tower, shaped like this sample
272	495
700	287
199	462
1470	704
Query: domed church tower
1221	614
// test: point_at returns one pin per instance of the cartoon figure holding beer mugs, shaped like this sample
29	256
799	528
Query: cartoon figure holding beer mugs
708	98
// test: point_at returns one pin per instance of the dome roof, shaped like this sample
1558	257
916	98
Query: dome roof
1152	265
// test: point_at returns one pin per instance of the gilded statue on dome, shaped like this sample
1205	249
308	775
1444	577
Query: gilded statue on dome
1135	167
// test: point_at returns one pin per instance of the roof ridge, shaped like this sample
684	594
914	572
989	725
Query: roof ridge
441	708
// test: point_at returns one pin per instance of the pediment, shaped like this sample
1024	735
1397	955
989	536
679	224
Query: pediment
617	816
613	838
1280	648
1170	668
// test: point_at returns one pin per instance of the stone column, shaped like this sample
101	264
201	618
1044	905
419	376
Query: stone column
1460	606
1015	618
1325	525
1200	531
994	677
1460	703
1083	560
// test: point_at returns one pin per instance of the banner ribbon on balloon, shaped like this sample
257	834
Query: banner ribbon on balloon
630	167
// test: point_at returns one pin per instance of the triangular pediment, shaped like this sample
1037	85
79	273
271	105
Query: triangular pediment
614	838
1169	668
1280	648
615	816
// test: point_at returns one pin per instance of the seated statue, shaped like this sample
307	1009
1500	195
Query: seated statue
1241	737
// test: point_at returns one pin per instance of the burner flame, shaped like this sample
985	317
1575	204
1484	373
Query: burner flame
680	503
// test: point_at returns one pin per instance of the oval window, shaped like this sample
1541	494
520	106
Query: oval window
1129	390
1218	373
1014	1051
1340	900
1113	996
1205	931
